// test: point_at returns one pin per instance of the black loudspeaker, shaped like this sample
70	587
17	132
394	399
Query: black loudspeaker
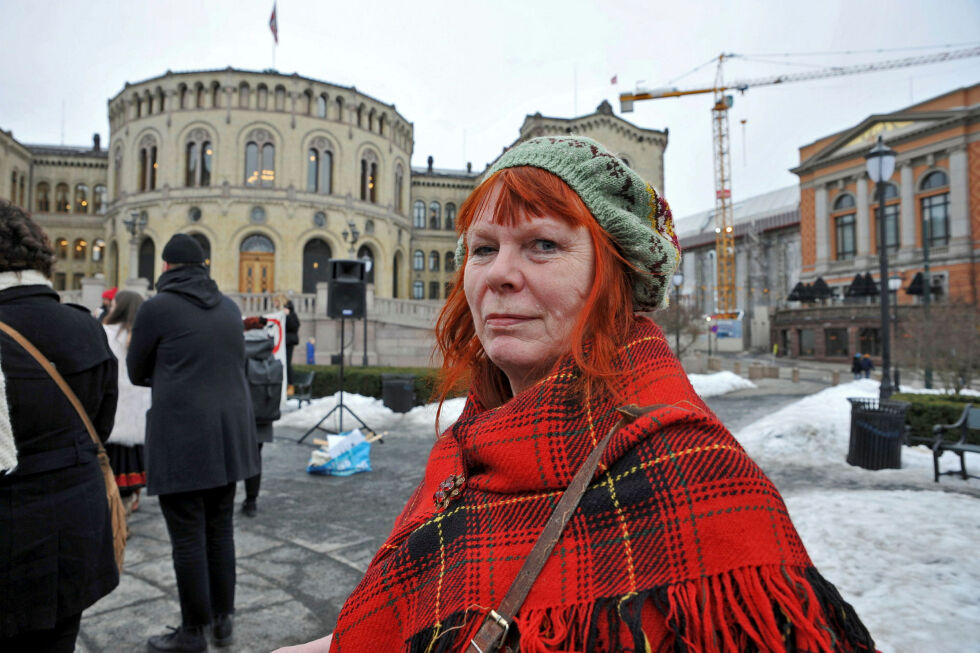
346	289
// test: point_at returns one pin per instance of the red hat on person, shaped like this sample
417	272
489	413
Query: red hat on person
110	294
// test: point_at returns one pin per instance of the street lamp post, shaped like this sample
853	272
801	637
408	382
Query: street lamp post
926	284
677	280
135	225
881	165
894	284
351	235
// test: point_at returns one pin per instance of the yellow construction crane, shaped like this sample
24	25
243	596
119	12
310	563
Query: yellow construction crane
724	222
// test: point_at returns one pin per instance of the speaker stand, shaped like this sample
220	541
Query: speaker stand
340	407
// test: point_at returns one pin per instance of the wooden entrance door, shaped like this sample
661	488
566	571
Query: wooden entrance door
257	272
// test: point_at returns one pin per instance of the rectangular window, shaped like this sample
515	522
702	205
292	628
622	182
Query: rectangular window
807	342
835	341
935	220
433	290
418	290
869	342
846	247
891	228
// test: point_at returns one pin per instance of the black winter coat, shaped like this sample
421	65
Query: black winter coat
292	325
187	345
56	554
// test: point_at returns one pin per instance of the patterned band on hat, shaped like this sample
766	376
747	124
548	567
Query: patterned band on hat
630	210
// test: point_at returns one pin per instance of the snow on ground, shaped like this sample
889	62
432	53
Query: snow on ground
905	558
719	383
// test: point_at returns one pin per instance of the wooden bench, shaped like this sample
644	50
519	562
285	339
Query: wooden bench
302	388
968	421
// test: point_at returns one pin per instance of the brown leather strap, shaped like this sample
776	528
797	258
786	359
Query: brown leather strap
49	368
495	625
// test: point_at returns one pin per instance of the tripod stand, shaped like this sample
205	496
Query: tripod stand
340	407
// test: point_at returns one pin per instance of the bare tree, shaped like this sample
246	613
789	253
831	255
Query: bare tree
683	317
947	340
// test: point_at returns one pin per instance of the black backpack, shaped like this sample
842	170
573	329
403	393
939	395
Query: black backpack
264	373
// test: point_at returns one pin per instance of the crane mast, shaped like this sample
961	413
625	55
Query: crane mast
724	219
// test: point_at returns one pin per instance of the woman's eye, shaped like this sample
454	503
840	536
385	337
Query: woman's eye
482	250
546	245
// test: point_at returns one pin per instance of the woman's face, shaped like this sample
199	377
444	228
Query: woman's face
525	286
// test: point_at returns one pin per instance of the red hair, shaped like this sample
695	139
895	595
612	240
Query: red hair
524	193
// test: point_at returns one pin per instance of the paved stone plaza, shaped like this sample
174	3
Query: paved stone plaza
314	536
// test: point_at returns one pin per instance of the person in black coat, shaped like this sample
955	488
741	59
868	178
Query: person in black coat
187	345
56	555
292	333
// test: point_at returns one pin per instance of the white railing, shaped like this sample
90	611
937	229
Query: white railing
70	296
408	312
259	303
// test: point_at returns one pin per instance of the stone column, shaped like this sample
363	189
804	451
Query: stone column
959	189
907	212
133	281
862	221
821	226
92	289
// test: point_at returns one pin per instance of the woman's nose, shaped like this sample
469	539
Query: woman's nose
505	271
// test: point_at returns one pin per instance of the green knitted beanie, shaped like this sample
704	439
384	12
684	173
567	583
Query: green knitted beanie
634	215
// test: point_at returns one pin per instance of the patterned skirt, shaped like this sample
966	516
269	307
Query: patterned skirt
128	466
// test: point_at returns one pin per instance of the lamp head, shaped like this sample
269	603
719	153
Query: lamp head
880	162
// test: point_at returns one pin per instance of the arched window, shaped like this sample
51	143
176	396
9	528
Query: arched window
319	167
435	215
280	98
98	250
399	188
260	159
450	262
843	219
198	155
199	95
450	216
148	163
13	187
80	250
61	204
418	290
934	209
434	261
243	95
215	95
22	185
81	198
100	199
316	254
360	115
307	107
369	177
321	105
61	248
258	243
369	226
161	100
418	260
147	260
366	254
418	219
395	264
43	200
262	97
182	96
340	108
205	244
138	106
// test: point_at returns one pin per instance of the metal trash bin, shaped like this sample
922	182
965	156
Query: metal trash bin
398	392
877	433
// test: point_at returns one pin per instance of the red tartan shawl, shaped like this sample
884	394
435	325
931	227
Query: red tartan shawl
680	542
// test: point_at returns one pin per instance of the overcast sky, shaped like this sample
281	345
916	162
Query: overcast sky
467	73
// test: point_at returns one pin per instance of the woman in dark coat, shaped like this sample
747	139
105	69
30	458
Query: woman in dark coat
292	333
56	556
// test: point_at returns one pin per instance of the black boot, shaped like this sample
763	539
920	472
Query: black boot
221	630
249	508
186	639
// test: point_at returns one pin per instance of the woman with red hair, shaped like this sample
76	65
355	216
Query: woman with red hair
679	542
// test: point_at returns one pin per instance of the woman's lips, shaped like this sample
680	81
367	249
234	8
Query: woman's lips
501	320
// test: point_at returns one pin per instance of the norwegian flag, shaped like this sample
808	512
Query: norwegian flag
274	24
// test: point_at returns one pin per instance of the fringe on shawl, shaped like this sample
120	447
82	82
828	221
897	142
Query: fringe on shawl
754	609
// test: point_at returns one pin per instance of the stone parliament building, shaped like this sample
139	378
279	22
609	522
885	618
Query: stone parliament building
274	175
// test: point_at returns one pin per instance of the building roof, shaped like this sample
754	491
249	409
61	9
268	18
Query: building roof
777	207
66	150
444	172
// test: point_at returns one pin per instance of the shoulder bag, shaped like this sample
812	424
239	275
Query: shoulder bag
116	509
493	633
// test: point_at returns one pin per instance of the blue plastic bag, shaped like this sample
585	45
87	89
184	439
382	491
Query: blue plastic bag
352	461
